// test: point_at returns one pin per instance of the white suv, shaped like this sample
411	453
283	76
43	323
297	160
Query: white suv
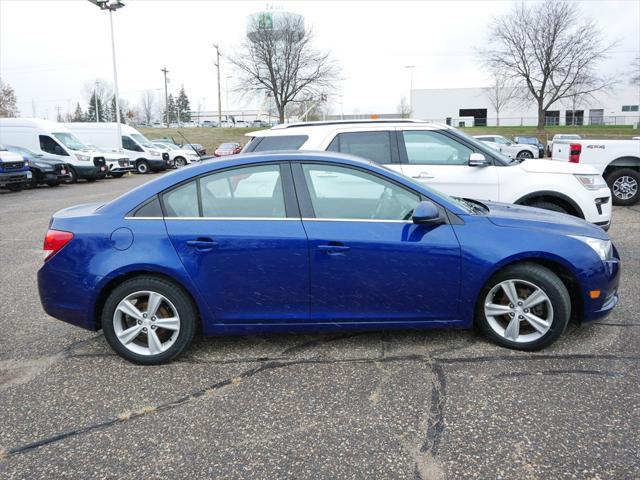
451	161
521	151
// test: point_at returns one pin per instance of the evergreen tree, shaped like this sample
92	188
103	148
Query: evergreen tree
112	112
78	115
172	108
184	109
95	102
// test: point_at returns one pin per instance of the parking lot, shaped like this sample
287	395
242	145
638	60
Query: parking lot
398	404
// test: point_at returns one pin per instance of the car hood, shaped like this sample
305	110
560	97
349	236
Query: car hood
520	216
549	166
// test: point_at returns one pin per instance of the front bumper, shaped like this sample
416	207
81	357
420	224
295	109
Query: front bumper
10	178
120	166
607	282
91	171
596	206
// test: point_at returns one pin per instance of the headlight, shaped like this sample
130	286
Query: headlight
84	158
591	182
603	248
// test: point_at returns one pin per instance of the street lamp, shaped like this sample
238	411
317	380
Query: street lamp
226	88
112	6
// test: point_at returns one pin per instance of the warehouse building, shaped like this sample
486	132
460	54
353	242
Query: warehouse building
473	107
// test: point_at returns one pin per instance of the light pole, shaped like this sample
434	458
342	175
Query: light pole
410	67
226	88
112	6
166	96
217	64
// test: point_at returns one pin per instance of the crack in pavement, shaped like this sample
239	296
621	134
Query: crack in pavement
435	422
603	373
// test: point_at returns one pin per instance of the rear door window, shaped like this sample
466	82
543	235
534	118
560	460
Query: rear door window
375	146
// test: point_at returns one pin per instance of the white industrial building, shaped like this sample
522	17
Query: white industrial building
472	107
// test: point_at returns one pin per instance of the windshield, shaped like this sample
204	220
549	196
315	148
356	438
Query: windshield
21	151
485	148
141	140
70	141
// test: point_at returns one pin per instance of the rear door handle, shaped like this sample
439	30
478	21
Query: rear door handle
422	175
202	244
333	249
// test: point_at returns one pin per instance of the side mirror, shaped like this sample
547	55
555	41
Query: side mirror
478	160
426	213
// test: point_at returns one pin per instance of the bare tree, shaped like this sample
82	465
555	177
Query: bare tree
551	49
635	73
8	101
280	58
502	92
404	109
147	105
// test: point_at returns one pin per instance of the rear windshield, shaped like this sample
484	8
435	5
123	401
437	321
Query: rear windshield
281	142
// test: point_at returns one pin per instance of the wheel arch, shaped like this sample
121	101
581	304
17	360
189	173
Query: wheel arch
627	161
122	277
556	265
555	197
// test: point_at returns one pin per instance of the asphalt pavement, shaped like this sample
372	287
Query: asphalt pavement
437	404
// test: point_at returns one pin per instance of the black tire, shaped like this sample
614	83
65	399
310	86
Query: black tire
73	175
91	180
549	283
524	155
33	183
16	187
117	175
142	167
53	184
183	304
179	162
547	205
618	175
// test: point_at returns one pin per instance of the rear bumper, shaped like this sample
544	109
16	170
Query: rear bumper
67	296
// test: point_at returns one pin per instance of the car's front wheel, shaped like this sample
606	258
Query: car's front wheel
142	167
180	162
148	320
524	155
525	306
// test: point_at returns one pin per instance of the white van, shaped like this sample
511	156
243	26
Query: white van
54	141
143	154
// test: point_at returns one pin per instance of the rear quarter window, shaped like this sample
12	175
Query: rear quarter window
281	142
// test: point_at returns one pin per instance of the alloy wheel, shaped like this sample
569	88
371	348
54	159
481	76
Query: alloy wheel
625	187
518	311
525	155
146	323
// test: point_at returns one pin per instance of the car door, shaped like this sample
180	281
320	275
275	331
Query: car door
368	262
239	235
442	162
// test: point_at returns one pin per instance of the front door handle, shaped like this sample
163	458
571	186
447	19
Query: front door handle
202	244
422	175
333	249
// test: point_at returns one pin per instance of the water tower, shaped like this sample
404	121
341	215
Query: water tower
275	22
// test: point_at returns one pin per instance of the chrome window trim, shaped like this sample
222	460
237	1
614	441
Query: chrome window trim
368	220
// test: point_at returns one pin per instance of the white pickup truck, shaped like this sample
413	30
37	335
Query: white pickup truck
617	160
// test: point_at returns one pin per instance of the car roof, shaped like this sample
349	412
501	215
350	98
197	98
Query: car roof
307	127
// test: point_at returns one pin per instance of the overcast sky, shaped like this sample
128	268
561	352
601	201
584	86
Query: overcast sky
49	49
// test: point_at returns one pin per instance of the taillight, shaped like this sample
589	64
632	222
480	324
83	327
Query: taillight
575	149
54	240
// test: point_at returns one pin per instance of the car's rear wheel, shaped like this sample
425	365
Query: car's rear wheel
142	166
148	320
526	307
625	186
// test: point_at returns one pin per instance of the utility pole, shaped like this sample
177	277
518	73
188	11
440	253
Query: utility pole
95	100
217	64
166	95
410	67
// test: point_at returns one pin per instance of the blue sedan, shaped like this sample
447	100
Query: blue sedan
301	242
